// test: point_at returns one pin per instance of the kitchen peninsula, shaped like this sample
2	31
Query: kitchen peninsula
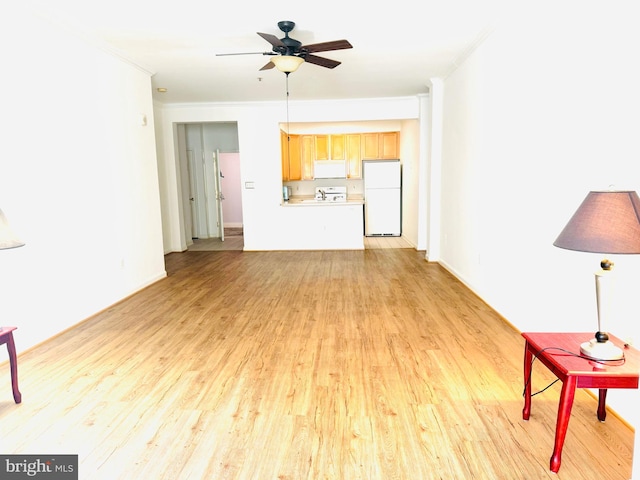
325	224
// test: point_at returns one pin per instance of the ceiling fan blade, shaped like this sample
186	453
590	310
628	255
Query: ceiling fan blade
326	46
244	53
268	66
272	39
323	62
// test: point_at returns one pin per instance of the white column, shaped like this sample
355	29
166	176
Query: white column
434	170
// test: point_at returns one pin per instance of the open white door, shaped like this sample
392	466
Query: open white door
219	195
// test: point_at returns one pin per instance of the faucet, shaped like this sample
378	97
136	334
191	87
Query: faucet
322	193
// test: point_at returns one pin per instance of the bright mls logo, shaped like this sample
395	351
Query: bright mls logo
49	467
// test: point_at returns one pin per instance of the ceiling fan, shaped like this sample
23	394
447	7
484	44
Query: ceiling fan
289	53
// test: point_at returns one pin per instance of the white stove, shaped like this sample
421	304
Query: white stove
331	194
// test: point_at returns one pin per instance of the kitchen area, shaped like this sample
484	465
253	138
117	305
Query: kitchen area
344	187
271	224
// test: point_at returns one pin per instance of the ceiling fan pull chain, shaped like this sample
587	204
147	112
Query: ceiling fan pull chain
287	87
288	129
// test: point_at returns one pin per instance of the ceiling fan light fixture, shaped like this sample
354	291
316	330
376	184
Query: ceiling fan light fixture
287	63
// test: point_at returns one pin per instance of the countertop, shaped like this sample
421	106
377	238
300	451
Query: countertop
310	201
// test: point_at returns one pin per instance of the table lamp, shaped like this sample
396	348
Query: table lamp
8	239
606	222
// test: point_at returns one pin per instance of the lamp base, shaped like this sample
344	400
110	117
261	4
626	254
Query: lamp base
601	350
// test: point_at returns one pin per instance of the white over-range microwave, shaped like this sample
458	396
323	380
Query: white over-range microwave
329	169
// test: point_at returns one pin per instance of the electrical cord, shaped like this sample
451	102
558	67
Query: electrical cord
568	353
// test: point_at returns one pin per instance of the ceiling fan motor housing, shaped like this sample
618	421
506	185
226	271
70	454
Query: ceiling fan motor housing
292	46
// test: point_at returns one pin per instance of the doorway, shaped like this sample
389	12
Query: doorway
211	186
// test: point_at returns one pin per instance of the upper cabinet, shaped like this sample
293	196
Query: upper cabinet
300	151
353	155
307	155
370	146
321	147
336	143
380	146
291	164
389	145
329	147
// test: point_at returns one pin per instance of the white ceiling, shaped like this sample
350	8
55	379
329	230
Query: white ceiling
398	45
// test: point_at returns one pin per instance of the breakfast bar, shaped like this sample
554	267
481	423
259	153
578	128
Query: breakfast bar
324	223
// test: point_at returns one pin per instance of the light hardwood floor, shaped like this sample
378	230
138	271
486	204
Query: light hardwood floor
237	243
369	364
386	242
217	245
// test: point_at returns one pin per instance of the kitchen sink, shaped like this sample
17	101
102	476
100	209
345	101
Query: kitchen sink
327	195
326	200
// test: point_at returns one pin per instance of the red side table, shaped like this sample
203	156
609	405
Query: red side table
6	336
575	371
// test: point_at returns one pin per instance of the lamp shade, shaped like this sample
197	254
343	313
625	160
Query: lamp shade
8	239
287	63
605	222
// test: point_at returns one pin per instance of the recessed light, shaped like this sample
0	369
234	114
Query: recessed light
162	89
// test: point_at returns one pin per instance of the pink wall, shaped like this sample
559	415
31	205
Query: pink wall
231	188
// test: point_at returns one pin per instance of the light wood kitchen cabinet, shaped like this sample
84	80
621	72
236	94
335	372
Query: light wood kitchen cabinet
353	146
307	155
284	154
291	164
329	147
380	146
321	147
369	146
300	151
389	145
337	146
295	166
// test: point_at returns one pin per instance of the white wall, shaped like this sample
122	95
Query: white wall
545	110
267	225
78	179
411	176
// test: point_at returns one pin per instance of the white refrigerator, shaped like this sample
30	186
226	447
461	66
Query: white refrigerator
382	198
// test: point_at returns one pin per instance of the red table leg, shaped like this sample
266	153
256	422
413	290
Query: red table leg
13	364
564	413
602	408
528	358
